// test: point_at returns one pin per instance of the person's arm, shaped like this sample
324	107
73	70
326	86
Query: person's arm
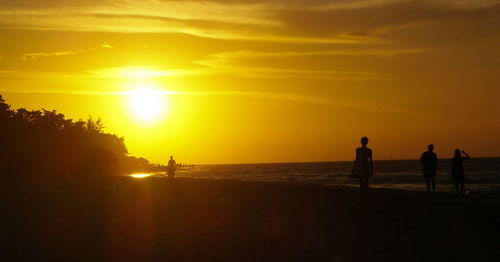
466	155
355	163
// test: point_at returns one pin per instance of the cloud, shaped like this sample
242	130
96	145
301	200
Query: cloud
220	67
313	21
345	40
335	21
35	4
225	64
341	52
106	45
300	73
38	55
233	28
140	72
230	63
362	4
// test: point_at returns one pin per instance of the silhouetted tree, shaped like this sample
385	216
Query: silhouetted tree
43	142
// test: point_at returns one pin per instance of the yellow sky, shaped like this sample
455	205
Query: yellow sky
262	81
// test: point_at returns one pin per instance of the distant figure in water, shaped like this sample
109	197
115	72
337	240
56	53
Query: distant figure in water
429	166
363	165
457	170
171	167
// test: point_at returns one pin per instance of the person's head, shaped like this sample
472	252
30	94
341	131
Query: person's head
364	141
171	157
457	153
430	147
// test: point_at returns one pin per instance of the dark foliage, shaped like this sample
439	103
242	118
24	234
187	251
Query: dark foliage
42	142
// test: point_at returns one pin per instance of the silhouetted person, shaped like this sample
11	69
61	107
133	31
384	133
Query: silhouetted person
171	167
429	167
363	165
457	170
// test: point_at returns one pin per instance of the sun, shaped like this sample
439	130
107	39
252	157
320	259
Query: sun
147	104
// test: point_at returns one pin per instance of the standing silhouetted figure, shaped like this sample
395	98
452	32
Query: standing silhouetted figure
171	167
457	170
363	165
429	167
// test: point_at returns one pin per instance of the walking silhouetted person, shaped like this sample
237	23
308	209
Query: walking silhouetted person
457	170
171	167
363	165
429	167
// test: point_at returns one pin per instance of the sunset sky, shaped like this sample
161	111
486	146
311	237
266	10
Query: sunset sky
250	81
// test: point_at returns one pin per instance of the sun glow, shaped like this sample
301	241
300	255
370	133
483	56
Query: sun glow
147	101
147	104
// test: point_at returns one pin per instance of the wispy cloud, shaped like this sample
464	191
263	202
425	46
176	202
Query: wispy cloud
311	74
143	72
217	68
37	55
227	63
106	45
376	30
321	21
191	17
359	4
215	27
345	52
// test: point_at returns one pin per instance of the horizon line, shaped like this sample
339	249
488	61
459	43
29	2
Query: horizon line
333	161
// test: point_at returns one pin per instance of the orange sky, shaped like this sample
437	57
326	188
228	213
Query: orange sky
263	81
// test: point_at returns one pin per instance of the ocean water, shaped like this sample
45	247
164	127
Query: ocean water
482	174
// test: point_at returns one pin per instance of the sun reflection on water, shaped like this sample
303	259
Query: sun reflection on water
140	175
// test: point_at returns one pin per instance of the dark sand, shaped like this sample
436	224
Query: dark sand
212	220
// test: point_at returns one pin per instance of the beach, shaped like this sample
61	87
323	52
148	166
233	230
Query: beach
158	219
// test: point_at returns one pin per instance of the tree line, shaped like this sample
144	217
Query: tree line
46	143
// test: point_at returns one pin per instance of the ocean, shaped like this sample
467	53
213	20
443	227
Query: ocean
482	174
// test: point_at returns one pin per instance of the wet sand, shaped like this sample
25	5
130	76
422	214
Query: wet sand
156	219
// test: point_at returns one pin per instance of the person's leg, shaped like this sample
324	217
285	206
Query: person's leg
433	184
462	184
456	184
428	184
364	181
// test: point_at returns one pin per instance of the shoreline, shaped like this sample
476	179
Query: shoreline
491	188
